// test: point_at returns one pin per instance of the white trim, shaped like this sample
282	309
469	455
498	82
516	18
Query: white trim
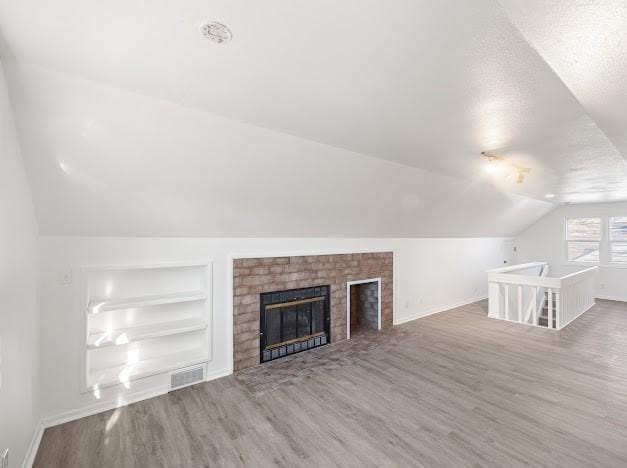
617	266
143	266
102	406
31	453
437	310
525	323
537	281
229	309
573	277
122	400
394	286
581	264
348	302
522	266
612	298
217	374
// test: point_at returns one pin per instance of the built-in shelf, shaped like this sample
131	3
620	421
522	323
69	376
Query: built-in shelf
104	305
123	336
127	327
124	373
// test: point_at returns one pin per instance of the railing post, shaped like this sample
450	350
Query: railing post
549	307
535	305
494	300
558	312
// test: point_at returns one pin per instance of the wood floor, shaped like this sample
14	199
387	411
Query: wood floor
451	390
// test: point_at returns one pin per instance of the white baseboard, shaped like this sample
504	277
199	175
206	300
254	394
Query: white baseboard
99	407
217	374
613	298
29	459
102	406
437	310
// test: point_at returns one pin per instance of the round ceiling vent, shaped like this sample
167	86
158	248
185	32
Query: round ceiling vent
216	32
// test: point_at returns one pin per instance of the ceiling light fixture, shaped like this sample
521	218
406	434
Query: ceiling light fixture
498	164
216	32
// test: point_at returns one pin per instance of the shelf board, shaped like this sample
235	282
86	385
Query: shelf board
127	372
104	305
123	336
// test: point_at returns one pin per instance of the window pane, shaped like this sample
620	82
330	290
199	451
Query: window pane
583	252
619	252
618	228
584	229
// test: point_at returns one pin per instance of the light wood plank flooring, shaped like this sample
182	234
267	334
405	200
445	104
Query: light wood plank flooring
454	389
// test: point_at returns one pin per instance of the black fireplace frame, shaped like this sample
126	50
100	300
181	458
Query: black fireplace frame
292	295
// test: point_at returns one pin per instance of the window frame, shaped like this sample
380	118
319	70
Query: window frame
599	242
610	242
605	252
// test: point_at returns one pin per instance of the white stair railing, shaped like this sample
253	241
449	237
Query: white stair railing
518	293
577	295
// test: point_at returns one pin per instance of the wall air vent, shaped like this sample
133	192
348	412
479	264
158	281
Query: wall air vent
216	32
186	377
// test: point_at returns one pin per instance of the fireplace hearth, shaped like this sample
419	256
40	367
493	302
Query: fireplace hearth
293	321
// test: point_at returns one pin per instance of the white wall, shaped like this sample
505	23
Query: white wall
430	274
544	241
18	282
106	162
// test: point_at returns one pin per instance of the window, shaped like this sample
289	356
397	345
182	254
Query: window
618	239
583	239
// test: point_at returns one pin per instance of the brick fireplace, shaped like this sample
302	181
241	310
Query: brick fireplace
253	277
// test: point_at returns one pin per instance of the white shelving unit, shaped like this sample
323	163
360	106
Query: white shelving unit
123	336
124	373
103	305
143	320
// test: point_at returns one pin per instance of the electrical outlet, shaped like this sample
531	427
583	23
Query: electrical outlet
65	276
5	459
602	285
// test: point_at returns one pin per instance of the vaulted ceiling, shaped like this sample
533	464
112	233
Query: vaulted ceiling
370	116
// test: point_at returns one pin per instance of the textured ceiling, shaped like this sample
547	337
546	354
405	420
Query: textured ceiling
585	43
428	84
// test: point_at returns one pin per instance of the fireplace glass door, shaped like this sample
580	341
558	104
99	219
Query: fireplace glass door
293	321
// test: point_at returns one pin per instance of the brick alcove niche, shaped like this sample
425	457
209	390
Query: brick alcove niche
254	276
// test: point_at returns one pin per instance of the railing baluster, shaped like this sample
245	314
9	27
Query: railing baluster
507	302
520	289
